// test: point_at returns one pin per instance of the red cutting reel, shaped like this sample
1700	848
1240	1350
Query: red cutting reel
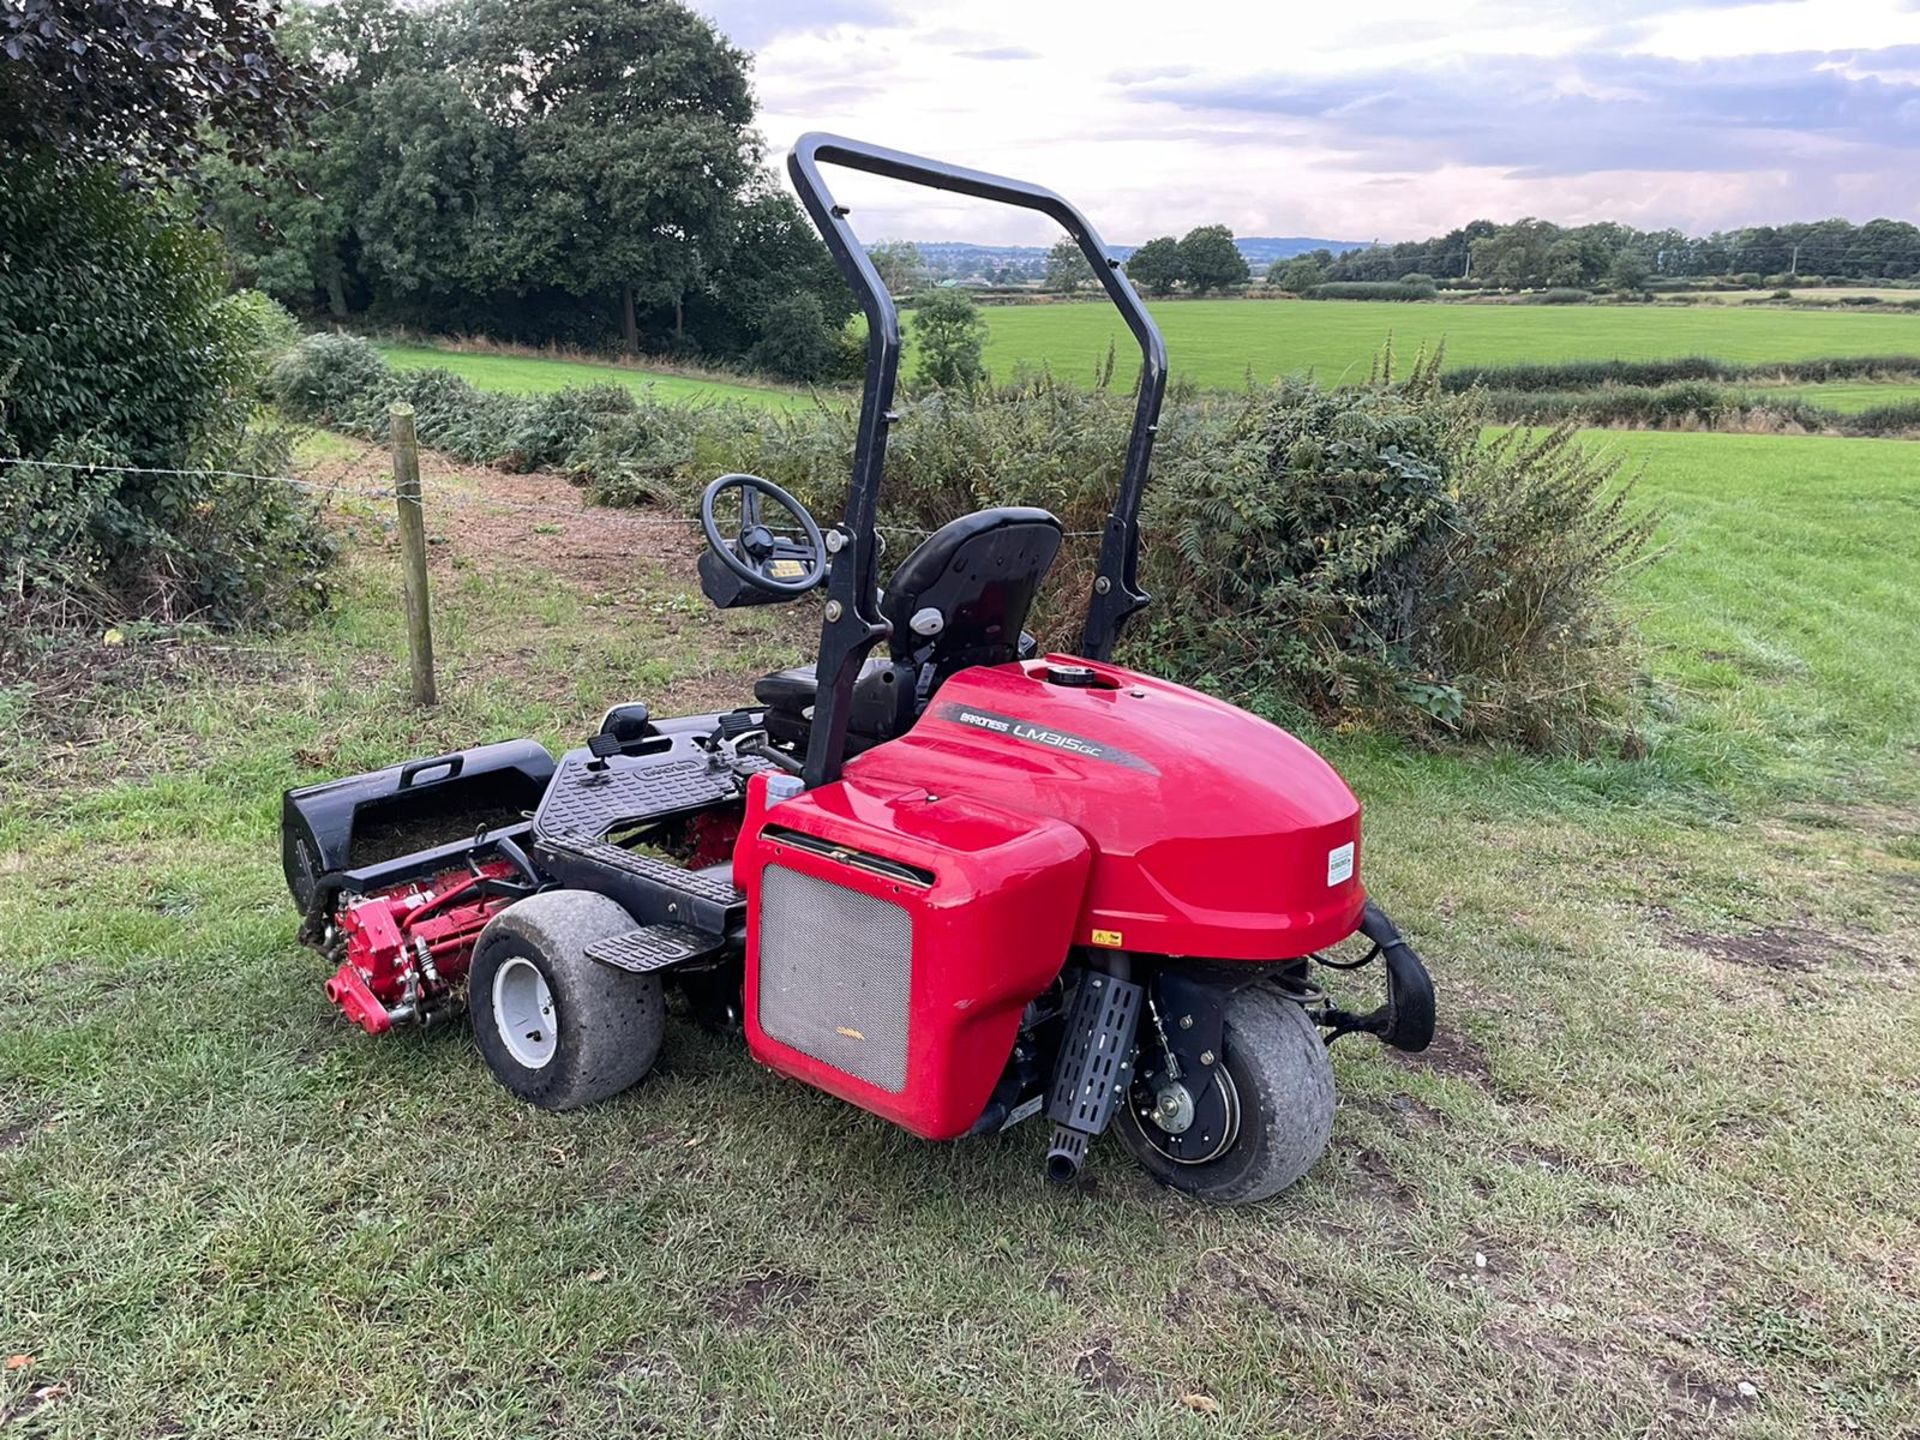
404	950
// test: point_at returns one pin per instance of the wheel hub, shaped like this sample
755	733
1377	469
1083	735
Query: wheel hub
1190	1126
1173	1109
523	1013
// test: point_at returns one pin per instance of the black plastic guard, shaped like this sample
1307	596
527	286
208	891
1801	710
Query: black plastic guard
1406	1020
341	832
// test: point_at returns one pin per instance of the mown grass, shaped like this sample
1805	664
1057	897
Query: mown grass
1219	342
1849	398
537	375
1656	1178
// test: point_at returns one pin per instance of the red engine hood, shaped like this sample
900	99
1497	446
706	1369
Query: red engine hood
1213	832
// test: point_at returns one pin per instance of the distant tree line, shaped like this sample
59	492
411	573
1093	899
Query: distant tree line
578	171
1531	253
1204	259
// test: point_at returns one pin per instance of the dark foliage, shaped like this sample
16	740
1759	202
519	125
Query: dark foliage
165	376
1371	290
147	86
1590	374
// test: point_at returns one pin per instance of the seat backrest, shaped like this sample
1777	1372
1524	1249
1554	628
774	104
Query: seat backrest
962	597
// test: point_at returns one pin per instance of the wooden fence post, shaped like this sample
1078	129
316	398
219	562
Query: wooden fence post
413	550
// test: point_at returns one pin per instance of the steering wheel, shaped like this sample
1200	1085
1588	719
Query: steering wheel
765	560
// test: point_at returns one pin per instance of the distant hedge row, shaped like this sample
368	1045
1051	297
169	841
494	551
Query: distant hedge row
1694	404
1372	556
1591	374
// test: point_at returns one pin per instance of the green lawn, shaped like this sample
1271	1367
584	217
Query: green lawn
1217	342
536	374
1656	1179
1849	397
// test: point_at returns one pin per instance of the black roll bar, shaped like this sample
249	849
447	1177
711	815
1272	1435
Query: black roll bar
852	623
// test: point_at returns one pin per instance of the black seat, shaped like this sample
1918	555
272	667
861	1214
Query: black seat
963	595
795	689
959	599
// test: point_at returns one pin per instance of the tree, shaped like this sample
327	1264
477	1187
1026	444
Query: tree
794	338
1298	275
951	337
1209	260
1067	268
147	86
772	254
631	127
1155	266
902	271
1629	271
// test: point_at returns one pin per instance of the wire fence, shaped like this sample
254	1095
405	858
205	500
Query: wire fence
434	495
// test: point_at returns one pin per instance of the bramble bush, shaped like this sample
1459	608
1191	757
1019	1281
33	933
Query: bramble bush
1372	556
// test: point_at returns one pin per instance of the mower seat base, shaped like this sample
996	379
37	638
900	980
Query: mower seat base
797	688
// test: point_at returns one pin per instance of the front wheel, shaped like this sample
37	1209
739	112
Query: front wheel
556	1028
1248	1127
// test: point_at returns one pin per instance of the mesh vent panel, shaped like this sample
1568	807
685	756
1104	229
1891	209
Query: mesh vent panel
836	975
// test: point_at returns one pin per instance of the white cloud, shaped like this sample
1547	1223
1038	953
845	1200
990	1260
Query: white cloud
1113	113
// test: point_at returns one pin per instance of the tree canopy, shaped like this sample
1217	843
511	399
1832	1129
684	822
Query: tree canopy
1530	252
1209	260
570	170
144	85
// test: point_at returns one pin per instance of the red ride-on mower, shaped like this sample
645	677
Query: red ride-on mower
952	882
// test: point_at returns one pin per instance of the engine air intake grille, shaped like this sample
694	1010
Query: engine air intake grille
836	975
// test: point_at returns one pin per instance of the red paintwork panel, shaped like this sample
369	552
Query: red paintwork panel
1133	813
1213	832
989	934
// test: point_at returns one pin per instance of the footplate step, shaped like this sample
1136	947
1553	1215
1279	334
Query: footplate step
653	947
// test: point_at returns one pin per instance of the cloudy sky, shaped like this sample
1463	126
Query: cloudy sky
1378	119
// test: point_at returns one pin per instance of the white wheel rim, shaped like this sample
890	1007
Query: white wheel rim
523	1013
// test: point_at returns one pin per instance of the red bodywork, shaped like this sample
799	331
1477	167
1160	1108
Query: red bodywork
1131	813
406	947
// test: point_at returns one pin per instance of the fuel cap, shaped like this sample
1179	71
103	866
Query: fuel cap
1077	675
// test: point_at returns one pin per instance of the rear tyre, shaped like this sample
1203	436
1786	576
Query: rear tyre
557	1029
1278	1095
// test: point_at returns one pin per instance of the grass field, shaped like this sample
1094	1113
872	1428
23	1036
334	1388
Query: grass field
1655	1179
538	374
1217	342
1848	397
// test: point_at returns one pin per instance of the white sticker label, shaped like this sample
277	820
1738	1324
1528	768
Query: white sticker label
1340	864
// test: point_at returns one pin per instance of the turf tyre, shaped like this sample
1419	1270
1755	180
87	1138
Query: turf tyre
1283	1081
606	1023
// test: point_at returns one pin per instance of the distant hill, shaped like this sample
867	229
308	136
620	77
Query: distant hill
1265	249
954	259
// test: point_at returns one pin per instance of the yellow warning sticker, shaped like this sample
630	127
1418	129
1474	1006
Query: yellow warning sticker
786	569
1109	938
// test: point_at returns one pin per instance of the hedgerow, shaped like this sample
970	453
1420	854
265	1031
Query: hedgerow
1362	555
121	353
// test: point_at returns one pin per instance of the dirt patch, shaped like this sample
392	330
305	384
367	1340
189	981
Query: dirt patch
1552	1160
1098	1368
15	1135
758	1296
1453	1055
1691	1393
1787	949
1683	1394
1377	1181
